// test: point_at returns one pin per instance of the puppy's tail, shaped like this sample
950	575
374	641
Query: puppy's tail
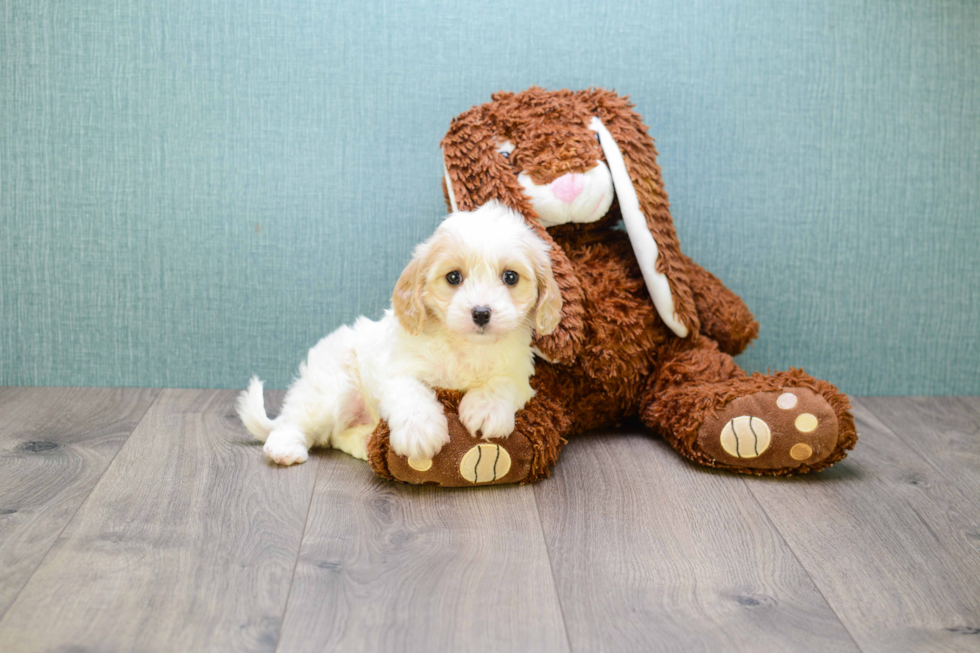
251	410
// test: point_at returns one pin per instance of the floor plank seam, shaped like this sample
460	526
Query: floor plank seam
949	484
796	557
81	503
299	552
551	568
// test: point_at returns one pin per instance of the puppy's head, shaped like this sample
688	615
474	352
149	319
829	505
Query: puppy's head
482	274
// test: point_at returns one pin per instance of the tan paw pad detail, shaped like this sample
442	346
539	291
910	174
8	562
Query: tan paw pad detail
420	464
806	422
801	451
787	400
485	463
745	437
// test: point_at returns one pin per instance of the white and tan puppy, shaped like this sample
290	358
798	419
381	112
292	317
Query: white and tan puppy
463	315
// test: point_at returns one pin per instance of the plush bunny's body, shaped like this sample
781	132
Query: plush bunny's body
644	332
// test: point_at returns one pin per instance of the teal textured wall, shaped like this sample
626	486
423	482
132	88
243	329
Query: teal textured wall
191	192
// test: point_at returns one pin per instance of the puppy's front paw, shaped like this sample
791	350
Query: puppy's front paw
286	453
420	436
482	411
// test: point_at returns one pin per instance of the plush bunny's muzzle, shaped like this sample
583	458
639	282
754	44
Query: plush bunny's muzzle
581	197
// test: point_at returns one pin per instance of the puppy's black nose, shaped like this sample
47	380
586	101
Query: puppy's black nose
481	315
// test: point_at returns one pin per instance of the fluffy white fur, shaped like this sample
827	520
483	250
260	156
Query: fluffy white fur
388	369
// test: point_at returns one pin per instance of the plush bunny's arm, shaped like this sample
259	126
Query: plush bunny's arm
723	315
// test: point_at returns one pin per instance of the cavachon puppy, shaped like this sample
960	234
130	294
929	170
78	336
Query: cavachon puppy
463	315
645	331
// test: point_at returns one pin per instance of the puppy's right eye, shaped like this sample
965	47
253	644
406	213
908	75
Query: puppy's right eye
454	278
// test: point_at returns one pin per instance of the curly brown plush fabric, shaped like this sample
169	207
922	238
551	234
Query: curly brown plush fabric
613	357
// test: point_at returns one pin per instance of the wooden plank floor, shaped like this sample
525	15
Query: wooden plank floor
145	520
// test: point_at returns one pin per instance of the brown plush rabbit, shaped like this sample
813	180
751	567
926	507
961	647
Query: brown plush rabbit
645	331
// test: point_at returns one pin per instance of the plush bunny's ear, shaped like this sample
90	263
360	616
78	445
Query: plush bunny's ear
631	157
644	244
447	185
476	173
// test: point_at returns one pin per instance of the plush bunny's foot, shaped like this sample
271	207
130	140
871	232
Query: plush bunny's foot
463	462
775	424
790	429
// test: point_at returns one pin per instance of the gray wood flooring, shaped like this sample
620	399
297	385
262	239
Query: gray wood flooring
146	520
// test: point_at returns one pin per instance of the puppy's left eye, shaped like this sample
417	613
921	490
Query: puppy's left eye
511	278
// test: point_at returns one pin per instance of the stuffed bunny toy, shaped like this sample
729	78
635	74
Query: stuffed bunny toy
645	331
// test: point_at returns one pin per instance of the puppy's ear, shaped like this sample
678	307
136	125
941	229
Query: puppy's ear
407	298
547	311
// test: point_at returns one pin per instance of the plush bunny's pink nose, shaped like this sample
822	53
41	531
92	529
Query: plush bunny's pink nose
568	187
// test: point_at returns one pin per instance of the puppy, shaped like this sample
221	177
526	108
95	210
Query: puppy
462	318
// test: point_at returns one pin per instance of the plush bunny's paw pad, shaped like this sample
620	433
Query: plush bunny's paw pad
784	429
